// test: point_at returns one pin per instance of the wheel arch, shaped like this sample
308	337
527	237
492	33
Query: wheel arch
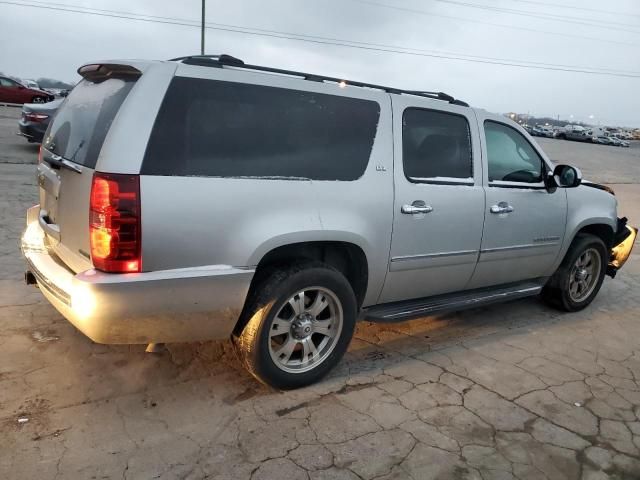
601	230
347	257
600	227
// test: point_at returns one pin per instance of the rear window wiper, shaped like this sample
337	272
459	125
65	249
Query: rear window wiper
58	161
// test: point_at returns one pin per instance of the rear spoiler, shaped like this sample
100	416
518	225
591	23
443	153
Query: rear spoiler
99	72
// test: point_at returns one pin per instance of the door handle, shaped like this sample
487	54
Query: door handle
501	207
416	208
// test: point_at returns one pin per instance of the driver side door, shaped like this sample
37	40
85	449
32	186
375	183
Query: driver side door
524	224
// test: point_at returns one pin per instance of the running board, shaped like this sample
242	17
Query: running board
421	307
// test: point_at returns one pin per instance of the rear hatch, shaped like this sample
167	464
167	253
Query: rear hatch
69	156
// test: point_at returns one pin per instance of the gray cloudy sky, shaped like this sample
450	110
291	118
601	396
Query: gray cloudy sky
587	34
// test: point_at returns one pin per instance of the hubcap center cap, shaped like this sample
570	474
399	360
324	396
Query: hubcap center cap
581	274
302	326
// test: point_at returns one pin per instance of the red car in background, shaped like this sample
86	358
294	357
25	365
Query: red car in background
14	92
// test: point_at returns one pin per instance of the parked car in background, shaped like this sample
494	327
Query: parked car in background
618	142
602	140
35	119
256	203
575	132
542	131
31	84
12	91
58	92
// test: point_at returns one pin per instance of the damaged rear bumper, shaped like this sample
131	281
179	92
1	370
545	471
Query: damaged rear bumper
623	242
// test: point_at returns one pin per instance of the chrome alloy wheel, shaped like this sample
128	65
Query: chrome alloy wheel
305	330
584	275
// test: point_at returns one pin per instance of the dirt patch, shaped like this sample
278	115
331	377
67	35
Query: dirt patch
32	415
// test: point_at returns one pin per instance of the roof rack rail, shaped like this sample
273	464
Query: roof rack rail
220	61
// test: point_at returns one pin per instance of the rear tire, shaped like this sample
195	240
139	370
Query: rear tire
580	275
299	322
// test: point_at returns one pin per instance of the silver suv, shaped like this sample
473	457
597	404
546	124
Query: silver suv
202	198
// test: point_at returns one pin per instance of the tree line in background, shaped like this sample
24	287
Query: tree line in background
53	83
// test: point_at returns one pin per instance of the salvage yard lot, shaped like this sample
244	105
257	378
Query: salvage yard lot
514	391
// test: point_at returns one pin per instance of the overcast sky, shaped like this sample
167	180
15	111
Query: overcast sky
37	42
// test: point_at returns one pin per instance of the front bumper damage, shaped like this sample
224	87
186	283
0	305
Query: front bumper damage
623	242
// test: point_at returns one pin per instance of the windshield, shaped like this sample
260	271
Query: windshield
81	125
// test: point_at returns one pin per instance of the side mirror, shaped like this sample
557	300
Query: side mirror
567	176
21	87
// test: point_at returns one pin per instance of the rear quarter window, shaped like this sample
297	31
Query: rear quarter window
225	129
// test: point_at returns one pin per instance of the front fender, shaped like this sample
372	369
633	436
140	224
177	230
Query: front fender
587	206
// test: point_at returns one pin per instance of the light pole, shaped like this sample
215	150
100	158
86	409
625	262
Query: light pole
202	31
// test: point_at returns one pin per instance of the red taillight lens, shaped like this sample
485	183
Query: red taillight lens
114	223
35	117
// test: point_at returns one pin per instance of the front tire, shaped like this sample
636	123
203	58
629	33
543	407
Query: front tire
299	322
38	100
580	275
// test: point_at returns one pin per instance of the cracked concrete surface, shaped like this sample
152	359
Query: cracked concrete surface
514	391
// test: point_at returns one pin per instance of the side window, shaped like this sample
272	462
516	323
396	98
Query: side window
436	146
511	158
5	82
225	129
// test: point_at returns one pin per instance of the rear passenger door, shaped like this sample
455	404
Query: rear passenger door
524	223
439	199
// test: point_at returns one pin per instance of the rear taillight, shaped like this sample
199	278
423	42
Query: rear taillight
114	223
35	117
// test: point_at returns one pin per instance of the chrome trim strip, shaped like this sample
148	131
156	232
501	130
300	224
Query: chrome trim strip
63	161
518	247
405	258
466	302
521	185
434	181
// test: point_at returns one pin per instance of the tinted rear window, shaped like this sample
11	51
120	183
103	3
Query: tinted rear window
81	125
436	145
224	129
